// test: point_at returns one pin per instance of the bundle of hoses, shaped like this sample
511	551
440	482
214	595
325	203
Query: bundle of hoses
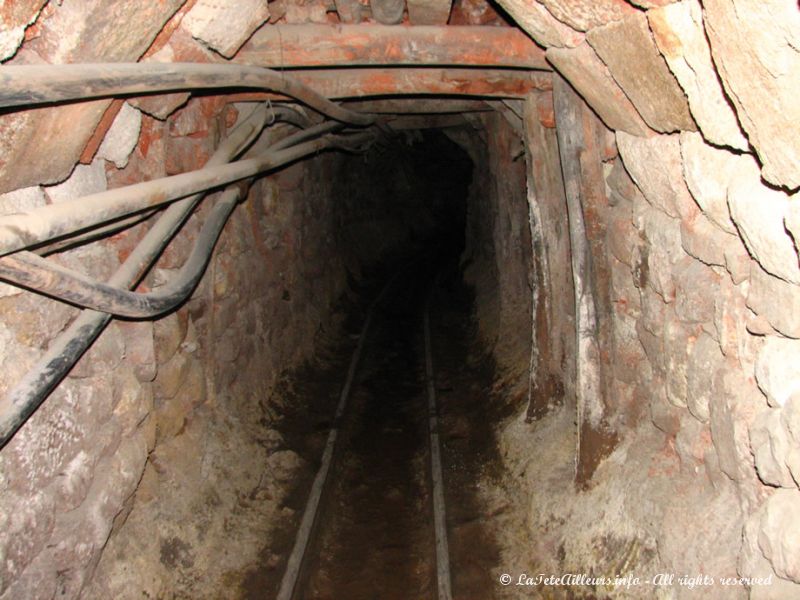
114	209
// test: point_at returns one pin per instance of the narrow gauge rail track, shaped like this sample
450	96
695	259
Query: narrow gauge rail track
375	517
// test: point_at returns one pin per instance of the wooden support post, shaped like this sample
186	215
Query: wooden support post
553	320
581	164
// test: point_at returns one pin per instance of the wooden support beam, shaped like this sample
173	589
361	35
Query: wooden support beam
338	84
418	106
429	12
277	46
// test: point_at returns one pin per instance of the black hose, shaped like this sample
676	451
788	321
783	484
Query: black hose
67	348
26	85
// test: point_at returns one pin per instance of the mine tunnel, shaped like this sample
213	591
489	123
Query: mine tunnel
399	299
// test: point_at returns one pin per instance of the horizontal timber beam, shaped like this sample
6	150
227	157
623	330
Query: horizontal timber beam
311	45
424	106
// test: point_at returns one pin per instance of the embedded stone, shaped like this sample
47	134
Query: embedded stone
790	418
708	172
754	44
770	297
592	80
225	25
628	49
678	31
168	333
621	234
759	214
22	200
679	343
661	253
779	533
792	223
85	180
770	442
541	25
586	14
730	415
655	165
777	371
706	361
695	284
14	19
122	137
87	31
705	241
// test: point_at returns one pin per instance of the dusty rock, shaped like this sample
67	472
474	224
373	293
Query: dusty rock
22	200
75	480
706	361
168	333
661	253
695	285
705	241
770	442
708	172
88	31
172	374
779	533
793	224
790	418
759	214
752	563
28	527
225	25
628	49
139	348
656	167
621	234
651	3
122	137
769	296
14	19
678	31
541	25
84	180
730	416
585	14
777	370
620	183
737	261
679	342
590	77
754	44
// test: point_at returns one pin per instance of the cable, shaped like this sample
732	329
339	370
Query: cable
26	85
43	276
65	350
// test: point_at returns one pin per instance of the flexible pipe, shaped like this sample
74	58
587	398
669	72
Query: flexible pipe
43	276
45	223
27	85
65	350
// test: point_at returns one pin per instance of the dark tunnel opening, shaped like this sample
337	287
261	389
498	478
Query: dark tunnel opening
404	210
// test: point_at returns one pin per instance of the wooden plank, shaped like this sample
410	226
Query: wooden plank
312	45
429	12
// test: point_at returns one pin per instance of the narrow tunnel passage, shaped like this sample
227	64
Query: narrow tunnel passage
200	200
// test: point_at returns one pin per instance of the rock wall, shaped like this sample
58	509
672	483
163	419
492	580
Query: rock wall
684	450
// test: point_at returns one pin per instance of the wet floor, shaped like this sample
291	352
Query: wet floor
374	537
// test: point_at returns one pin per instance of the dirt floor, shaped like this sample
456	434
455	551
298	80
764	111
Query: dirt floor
374	535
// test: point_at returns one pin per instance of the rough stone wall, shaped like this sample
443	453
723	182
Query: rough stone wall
164	425
694	276
498	252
